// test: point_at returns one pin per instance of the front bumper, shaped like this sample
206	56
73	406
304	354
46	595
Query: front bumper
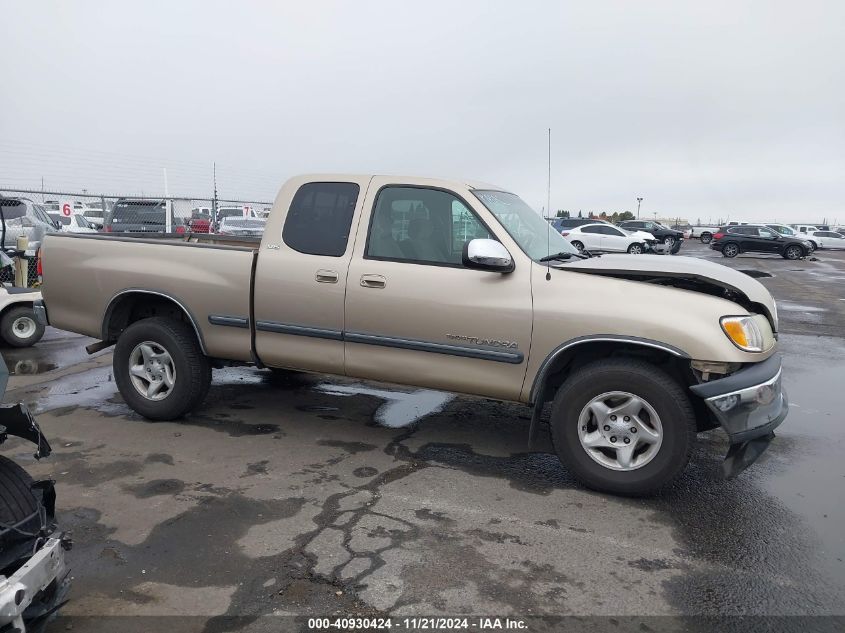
749	405
36	589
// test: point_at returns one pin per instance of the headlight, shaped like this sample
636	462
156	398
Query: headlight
744	332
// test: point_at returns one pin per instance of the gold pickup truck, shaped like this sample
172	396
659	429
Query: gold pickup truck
446	285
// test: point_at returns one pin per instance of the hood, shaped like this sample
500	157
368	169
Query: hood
688	273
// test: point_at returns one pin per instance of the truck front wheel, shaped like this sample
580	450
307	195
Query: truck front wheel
623	426
160	369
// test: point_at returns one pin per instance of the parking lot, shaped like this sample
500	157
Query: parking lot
306	494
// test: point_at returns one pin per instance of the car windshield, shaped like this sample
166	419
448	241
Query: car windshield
534	235
783	230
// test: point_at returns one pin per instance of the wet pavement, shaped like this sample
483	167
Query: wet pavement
295	493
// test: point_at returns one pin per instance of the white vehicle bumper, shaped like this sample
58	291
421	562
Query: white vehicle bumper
39	585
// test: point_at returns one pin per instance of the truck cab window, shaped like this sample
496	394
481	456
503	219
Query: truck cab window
422	226
319	218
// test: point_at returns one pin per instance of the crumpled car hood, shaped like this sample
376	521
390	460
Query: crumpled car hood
656	267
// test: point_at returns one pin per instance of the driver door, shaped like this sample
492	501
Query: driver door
415	315
613	239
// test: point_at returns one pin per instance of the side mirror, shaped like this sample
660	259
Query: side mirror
484	254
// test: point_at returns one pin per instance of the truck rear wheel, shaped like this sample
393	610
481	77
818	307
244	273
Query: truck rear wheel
160	369
706	237
20	328
623	426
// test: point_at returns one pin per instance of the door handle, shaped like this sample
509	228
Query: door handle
373	281
326	276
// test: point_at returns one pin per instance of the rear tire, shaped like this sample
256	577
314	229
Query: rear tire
174	345
730	250
706	238
655	464
20	328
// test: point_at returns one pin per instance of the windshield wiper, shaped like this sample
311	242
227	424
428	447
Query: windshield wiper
562	256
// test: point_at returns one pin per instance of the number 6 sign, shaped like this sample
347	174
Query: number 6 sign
67	209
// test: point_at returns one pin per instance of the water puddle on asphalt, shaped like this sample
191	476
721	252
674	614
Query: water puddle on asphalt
94	389
400	408
809	475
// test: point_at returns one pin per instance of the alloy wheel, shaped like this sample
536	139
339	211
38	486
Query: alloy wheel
620	431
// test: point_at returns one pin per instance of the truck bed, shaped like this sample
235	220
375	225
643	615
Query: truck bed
87	273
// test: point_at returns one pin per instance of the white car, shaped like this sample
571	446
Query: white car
608	238
828	239
808	230
76	223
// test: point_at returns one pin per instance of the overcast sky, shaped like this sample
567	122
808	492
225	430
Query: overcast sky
705	109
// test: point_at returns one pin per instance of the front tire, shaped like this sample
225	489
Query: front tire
793	252
623	426
635	249
20	328
669	242
160	369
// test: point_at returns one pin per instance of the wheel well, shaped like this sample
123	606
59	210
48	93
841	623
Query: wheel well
12	306
570	360
130	307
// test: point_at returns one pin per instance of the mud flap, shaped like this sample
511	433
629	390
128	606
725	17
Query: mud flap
742	454
15	419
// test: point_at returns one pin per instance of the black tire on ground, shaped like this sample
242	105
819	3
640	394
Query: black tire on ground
20	328
635	249
192	368
813	246
578	245
706	238
794	252
645	381
730	249
17	500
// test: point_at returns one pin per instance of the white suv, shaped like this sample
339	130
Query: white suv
791	231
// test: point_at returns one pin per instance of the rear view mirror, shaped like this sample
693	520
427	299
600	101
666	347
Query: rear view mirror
484	254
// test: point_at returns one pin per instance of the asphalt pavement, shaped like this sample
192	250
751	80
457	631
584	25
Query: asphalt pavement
314	495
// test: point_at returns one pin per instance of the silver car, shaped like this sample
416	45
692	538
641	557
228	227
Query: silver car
22	216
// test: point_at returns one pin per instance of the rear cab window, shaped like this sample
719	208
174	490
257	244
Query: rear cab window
320	217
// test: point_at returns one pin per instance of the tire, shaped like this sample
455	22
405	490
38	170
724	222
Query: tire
706	238
793	252
813	246
17	500
730	250
20	328
578	245
669	242
635	249
141	345
660	463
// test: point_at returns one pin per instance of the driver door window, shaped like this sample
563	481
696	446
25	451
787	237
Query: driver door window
421	226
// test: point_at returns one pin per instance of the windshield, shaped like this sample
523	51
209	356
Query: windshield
534	235
783	230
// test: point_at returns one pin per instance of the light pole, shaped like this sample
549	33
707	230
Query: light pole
639	200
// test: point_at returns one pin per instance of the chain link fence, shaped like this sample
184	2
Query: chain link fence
26	216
